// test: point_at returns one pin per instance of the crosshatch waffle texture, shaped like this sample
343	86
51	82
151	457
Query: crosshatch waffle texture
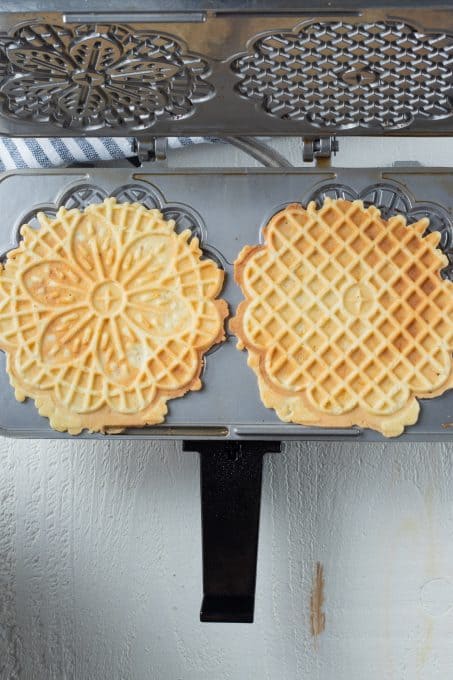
346	319
105	314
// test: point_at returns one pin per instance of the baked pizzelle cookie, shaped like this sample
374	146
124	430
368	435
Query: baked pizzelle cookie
105	315
346	318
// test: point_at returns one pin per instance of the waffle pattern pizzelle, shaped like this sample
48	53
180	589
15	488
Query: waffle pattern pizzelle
105	315
346	319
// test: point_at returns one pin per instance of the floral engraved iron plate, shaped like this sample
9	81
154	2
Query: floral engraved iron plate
82	195
98	76
106	312
382	75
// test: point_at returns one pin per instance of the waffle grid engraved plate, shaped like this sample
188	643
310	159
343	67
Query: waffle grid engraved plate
89	77
392	200
345	318
341	75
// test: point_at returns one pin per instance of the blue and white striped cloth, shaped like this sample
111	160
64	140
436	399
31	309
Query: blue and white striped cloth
51	152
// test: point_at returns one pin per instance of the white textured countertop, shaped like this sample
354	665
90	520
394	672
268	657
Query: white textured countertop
100	548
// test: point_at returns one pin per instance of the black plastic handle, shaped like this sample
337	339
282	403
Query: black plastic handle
231	473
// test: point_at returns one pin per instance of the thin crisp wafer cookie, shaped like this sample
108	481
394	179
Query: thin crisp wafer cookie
105	314
346	318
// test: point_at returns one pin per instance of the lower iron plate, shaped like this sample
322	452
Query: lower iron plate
227	209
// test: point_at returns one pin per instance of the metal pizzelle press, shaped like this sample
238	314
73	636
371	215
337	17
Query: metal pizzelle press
234	70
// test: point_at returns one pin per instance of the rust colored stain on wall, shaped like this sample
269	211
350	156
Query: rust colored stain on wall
317	616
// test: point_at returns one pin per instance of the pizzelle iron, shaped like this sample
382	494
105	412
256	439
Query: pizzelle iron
231	69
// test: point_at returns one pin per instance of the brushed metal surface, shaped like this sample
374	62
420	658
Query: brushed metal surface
91	77
226	209
221	6
339	75
375	69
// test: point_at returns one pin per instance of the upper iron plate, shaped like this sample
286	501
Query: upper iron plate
227	209
374	71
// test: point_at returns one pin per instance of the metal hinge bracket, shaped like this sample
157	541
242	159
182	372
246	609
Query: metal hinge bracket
151	149
319	147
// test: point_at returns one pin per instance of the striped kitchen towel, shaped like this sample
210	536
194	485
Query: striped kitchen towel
51	152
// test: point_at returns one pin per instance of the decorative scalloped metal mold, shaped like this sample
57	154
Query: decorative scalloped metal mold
340	75
94	76
81	195
392	200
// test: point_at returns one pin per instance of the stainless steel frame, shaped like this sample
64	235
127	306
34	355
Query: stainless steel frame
229	69
194	68
226	209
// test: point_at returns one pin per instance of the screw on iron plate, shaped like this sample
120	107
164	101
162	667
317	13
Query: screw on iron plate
359	76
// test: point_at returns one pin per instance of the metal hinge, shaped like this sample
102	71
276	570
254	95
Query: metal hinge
150	149
319	147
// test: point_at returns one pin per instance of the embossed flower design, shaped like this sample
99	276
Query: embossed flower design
105	314
99	76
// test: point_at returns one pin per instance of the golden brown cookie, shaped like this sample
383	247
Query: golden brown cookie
346	318
105	315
